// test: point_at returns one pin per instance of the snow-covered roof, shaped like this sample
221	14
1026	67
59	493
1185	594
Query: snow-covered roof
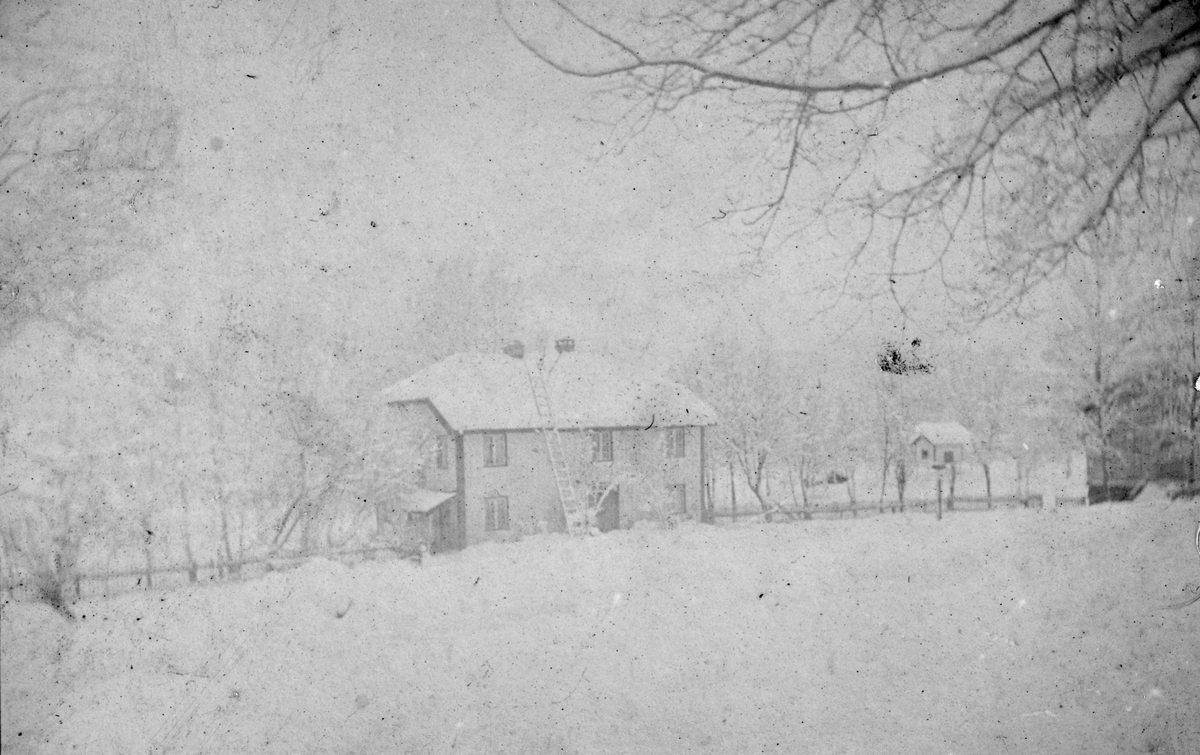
492	392
942	433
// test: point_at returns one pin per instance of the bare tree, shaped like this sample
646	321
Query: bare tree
1156	397
750	389
468	301
78	165
985	393
1058	116
1097	350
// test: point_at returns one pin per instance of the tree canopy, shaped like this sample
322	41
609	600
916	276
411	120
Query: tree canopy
1039	122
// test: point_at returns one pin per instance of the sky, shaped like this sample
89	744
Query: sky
329	154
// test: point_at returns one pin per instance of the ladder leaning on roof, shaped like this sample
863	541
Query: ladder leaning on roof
573	509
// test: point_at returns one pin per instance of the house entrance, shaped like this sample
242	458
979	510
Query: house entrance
447	527
608	516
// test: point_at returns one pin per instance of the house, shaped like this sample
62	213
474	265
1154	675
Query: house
939	443
634	444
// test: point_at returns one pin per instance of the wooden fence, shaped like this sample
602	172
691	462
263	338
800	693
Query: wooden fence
959	504
102	584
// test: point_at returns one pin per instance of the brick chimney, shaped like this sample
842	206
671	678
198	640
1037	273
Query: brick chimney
563	345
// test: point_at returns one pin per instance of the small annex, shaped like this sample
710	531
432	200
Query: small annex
940	443
634	444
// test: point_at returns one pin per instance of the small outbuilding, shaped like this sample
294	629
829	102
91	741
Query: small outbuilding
940	443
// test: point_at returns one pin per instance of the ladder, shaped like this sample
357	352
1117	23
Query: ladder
574	510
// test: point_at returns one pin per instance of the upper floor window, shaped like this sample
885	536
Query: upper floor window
495	449
442	451
496	512
924	453
602	445
676	440
948	457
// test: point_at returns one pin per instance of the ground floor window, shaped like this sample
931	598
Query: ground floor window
594	494
677	499
496	507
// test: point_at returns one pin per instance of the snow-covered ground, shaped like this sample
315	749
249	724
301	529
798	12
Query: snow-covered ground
989	632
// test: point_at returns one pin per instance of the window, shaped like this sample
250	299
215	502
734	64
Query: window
676	443
495	450
677	499
602	445
924	454
496	508
442	444
594	494
948	457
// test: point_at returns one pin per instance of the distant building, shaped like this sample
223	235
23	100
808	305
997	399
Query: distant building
940	443
490	474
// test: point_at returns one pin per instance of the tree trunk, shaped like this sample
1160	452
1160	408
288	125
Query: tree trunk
987	481
1194	461
732	494
886	464
230	568
147	537
1098	374
187	532
755	479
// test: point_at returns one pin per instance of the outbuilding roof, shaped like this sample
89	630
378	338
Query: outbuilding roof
942	433
422	501
492	392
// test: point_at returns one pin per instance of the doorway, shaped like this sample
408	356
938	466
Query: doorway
608	514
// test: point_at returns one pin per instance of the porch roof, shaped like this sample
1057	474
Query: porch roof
422	501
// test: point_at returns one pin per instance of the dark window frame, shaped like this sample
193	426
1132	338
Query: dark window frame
602	445
594	492
678	498
948	457
676	443
495	513
495	449
442	452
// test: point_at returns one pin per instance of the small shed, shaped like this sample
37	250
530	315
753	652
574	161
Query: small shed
425	515
940	443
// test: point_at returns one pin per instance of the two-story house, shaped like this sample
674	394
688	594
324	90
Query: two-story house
634	443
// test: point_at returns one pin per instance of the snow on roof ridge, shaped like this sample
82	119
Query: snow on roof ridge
489	391
942	432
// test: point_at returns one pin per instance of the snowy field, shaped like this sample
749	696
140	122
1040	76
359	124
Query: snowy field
1016	631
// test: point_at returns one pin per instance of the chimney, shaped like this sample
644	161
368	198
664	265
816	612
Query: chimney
516	350
563	345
